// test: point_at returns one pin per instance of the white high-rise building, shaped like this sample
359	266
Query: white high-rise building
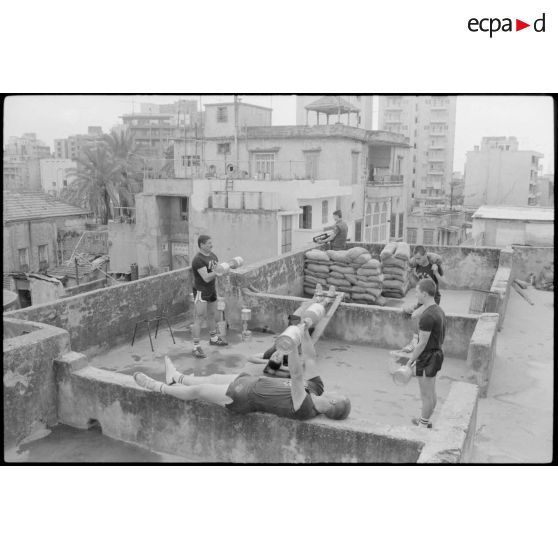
429	123
498	173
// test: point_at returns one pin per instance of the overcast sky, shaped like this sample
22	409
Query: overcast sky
530	119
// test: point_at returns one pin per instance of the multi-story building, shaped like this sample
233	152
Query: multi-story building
21	163
546	190
72	146
498	173
56	174
436	227
360	115
372	163
429	122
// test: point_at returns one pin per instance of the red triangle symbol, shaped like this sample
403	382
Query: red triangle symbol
519	25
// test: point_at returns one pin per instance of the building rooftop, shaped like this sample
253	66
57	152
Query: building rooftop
332	104
230	103
520	213
24	206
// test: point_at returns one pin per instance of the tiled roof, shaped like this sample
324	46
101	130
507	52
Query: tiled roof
23	206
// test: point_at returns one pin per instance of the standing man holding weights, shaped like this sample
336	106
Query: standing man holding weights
205	295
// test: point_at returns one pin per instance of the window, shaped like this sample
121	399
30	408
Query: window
428	236
401	216
54	184
184	209
223	148
325	210
411	236
43	253
286	233
265	163
191	160
358	230
392	224
305	218
222	114
311	162
23	254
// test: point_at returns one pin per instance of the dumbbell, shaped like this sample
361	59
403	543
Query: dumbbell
225	267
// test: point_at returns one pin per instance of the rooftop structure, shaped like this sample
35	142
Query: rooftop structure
35	206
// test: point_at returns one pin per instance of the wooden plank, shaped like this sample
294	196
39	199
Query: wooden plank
319	329
518	290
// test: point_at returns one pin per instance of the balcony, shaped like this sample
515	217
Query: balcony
262	201
383	186
436	171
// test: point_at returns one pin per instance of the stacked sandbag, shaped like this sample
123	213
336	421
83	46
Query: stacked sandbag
395	268
316	270
368	287
353	272
342	273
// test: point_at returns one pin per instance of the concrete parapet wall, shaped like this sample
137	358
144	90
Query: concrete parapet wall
501	286
530	259
201	431
464	267
87	287
482	350
452	441
29	384
104	318
360	323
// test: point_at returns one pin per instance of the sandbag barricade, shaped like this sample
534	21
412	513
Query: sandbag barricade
353	272
395	269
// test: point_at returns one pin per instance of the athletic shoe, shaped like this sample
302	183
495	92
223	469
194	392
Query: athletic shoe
220	342
417	422
146	382
197	351
170	372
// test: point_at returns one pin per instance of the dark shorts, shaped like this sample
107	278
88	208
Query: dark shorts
239	391
210	297
430	363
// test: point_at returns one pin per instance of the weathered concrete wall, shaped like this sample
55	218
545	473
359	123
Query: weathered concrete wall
87	287
204	432
29	383
452	441
500	290
528	259
482	350
283	275
104	318
233	233
464	267
361	323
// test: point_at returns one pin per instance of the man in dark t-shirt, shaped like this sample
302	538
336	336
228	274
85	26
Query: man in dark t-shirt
338	237
423	268
428	355
205	295
243	393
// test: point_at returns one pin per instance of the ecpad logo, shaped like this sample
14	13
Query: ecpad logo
493	25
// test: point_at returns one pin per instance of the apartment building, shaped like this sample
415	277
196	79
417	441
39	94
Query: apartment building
498	173
56	174
429	123
72	146
21	162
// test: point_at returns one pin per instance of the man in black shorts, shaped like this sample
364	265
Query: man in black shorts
205	295
243	393
428	355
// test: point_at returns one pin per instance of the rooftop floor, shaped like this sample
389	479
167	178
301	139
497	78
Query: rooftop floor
358	371
514	423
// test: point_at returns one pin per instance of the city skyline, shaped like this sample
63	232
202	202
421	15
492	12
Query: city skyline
529	118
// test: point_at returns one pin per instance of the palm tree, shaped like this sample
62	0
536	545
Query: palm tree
96	182
124	153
